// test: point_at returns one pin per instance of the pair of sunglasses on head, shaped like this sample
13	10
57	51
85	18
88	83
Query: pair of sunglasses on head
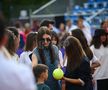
45	39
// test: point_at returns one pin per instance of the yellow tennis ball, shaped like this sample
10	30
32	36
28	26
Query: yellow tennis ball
58	74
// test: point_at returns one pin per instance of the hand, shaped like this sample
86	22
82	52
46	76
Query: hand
63	78
93	82
93	70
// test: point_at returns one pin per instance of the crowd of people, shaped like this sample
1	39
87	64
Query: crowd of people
30	54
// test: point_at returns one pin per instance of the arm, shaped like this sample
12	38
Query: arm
95	64
74	81
95	61
34	60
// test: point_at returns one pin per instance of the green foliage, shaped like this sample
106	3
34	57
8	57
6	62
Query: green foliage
11	8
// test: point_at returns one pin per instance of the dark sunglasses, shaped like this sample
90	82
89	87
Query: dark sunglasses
47	39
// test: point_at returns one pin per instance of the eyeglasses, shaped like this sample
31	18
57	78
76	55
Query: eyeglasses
45	39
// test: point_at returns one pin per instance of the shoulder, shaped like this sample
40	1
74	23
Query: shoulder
19	76
92	47
55	48
46	87
60	53
22	54
35	50
15	57
43	87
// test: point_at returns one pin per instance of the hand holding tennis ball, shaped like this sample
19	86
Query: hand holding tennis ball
58	74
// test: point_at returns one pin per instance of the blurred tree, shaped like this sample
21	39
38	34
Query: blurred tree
11	8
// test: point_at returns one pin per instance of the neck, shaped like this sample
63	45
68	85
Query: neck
40	81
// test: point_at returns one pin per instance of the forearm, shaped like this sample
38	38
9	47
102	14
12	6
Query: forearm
95	65
34	60
74	81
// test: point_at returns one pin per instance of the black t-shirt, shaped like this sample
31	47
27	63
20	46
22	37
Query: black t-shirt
84	73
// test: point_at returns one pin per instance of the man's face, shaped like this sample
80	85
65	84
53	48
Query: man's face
50	27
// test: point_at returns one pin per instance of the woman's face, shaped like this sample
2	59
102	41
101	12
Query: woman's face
54	41
45	75
46	40
104	26
80	24
103	38
62	27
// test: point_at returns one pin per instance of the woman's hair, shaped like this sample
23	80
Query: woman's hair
63	39
74	52
14	30
11	42
39	69
44	30
31	41
55	35
80	36
96	38
102	23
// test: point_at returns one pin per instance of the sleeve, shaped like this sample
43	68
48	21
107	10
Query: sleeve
95	54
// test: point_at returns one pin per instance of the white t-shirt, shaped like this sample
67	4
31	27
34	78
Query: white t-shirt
15	58
25	59
61	58
71	28
87	34
94	59
14	76
102	54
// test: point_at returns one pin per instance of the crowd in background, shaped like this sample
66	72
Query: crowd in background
40	48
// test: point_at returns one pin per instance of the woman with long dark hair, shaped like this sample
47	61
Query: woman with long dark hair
100	49
47	54
13	42
27	55
80	36
78	72
92	58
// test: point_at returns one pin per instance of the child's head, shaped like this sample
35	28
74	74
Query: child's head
31	41
55	38
40	71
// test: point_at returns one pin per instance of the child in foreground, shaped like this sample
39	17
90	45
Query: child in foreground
41	74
